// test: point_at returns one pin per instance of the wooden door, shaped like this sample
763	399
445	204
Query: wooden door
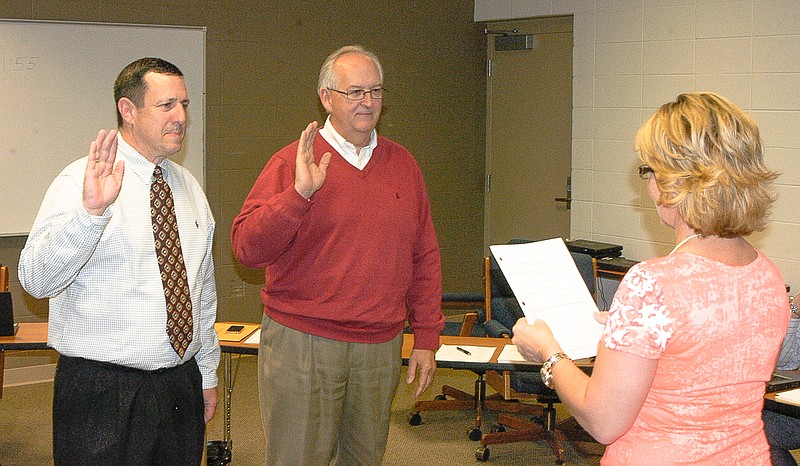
529	129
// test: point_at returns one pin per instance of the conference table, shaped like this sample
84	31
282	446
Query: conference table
243	347
29	336
33	336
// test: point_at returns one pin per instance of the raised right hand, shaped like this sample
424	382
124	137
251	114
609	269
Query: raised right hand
308	176
102	180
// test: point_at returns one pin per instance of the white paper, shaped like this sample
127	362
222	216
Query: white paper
789	396
255	338
476	353
549	287
510	353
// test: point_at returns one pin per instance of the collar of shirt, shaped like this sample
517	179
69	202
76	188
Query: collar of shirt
347	150
136	162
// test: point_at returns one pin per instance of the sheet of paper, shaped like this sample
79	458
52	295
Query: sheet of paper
470	353
255	338
549	287
789	396
510	353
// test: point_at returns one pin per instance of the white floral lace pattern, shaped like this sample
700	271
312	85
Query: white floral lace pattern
641	319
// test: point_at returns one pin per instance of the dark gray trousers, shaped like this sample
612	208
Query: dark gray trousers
104	414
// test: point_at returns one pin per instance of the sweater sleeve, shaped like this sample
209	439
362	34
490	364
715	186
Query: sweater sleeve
271	214
425	316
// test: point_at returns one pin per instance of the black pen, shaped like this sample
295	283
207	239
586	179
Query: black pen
463	351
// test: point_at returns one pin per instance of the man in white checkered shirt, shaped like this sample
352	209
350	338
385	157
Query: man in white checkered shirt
122	395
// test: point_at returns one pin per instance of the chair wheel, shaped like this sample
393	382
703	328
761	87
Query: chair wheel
475	434
498	428
482	454
415	419
440	397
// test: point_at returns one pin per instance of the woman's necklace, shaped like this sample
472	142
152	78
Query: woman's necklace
685	240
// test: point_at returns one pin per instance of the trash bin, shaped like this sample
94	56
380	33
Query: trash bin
218	452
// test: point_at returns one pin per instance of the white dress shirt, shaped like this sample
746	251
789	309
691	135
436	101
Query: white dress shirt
346	149
101	273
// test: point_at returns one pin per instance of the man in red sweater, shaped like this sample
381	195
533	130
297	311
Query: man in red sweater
342	224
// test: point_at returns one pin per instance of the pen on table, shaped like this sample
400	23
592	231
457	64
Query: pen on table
463	351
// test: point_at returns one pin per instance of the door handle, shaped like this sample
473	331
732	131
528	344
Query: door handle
565	199
568	199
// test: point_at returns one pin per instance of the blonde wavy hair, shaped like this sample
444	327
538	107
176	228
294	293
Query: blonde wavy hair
707	159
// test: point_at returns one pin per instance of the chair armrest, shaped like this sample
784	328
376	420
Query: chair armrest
530	382
496	330
468	324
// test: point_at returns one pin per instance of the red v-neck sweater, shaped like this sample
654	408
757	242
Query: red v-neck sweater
354	262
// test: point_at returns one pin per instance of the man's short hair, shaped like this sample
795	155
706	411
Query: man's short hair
130	81
329	80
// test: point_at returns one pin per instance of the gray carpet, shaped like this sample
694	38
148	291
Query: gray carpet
25	427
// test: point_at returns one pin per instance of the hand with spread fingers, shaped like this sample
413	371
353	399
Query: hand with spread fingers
309	176
103	179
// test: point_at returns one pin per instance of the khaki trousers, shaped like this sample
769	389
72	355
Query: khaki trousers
325	401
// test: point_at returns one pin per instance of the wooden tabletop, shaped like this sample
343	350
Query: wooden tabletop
240	347
33	336
30	336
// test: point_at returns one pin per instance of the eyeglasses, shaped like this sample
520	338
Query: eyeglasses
359	94
645	172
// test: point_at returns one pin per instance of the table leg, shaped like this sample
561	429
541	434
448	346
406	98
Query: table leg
2	369
228	394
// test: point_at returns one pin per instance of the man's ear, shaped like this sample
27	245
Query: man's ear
325	98
127	109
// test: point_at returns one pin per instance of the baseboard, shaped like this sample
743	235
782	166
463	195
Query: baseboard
29	375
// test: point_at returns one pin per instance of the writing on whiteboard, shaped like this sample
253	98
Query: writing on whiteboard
18	63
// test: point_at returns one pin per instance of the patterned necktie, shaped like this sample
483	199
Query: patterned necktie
170	262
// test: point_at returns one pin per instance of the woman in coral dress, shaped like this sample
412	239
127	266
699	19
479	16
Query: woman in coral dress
691	338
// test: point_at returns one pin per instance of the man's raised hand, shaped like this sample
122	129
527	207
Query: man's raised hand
103	179
308	176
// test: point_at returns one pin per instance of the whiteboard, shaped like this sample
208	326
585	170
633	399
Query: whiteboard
57	92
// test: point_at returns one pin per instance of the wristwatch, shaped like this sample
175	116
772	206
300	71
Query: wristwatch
547	368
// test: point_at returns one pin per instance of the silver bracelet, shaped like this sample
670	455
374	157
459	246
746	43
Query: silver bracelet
547	369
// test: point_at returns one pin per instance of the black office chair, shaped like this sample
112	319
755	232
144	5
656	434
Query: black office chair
523	386
452	398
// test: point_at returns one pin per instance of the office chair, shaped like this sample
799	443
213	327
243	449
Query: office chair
523	386
452	398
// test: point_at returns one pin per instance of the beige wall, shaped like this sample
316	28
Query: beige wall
263	57
629	57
